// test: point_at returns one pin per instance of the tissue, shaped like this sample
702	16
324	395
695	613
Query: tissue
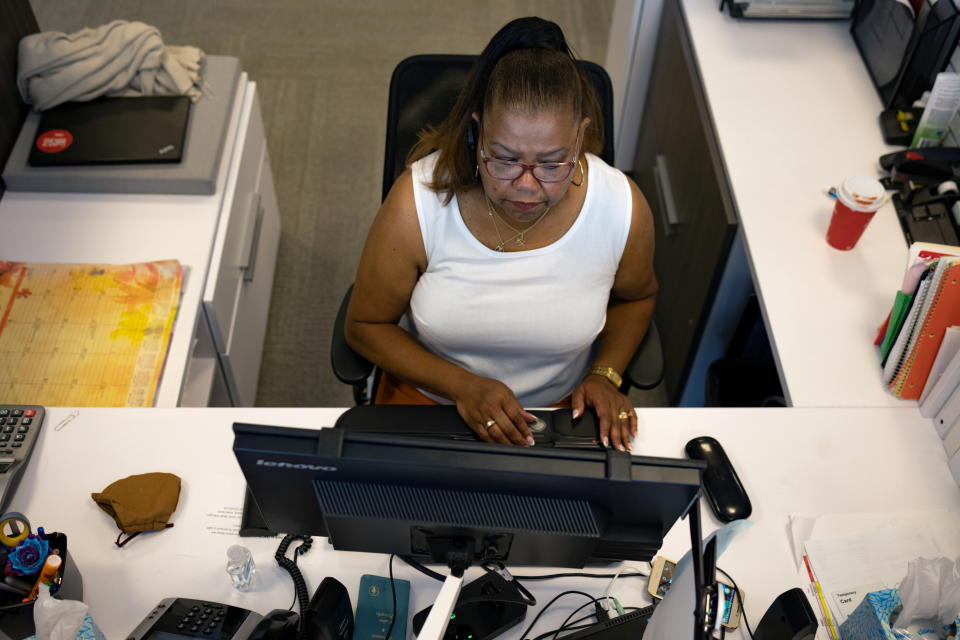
62	619
930	594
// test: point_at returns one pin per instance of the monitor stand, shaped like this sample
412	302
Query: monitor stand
435	626
457	553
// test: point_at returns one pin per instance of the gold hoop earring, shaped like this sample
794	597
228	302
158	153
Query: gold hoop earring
476	173
582	176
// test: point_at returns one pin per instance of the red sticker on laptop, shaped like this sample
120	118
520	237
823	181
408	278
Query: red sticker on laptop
54	141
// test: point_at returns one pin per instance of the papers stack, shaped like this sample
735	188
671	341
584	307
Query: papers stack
851	555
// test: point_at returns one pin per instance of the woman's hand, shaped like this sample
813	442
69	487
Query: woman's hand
618	420
484	401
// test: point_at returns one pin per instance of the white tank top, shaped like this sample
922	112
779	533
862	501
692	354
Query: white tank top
526	318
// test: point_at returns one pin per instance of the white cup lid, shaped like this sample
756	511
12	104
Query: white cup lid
862	193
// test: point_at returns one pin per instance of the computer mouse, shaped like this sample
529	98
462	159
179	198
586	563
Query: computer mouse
538	425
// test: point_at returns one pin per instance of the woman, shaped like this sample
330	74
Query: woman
511	267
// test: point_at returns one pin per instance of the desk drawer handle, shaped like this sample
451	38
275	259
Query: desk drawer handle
249	267
668	206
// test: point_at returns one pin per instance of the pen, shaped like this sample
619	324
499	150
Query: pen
823	601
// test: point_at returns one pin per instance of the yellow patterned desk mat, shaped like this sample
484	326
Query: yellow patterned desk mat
80	335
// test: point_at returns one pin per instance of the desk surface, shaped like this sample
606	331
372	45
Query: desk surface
109	228
795	113
807	461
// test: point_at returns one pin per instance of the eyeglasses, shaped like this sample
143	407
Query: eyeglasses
542	171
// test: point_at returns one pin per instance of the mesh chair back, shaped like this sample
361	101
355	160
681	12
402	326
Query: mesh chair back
423	89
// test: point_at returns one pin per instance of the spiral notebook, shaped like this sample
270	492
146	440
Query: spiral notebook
895	359
939	309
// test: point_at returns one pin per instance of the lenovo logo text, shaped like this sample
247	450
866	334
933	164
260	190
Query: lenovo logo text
290	465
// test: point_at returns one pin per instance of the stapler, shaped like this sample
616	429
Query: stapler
921	166
927	193
929	214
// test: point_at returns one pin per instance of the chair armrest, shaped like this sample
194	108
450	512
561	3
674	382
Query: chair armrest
348	365
645	370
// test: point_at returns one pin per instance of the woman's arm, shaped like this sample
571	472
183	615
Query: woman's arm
390	265
628	315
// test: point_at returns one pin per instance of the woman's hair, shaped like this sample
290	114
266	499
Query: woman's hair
528	66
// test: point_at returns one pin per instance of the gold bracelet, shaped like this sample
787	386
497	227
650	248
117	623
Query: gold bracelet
609	373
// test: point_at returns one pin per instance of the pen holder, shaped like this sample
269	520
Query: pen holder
16	616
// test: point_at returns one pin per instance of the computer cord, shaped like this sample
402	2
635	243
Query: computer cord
393	594
573	626
299	584
423	569
553	576
550	576
591	599
743	609
525	597
596	601
606	594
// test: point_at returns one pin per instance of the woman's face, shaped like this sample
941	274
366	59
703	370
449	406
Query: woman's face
530	138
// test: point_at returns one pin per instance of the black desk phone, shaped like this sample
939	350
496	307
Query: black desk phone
184	619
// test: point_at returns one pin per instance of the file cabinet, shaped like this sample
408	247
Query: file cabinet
228	337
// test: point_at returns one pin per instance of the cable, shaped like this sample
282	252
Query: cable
299	584
743	609
576	626
573	626
552	576
606	593
500	569
422	569
523	636
573	613
393	592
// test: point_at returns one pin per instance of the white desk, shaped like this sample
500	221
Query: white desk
791	461
795	113
211	235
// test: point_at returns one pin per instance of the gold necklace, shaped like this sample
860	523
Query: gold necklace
518	237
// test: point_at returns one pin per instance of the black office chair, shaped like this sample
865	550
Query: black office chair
423	89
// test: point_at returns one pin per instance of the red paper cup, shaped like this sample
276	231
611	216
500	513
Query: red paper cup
858	199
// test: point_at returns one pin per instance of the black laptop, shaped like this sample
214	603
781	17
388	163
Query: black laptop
138	130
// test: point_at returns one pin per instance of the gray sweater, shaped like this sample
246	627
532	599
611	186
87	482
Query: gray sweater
117	59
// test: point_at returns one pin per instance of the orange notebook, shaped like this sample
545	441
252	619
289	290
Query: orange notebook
944	312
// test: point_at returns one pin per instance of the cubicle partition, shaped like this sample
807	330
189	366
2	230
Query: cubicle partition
16	21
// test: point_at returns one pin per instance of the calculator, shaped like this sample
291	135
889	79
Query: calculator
19	426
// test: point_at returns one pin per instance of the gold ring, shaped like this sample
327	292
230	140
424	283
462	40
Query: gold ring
623	415
489	424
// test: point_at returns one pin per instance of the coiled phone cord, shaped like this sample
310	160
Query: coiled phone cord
290	566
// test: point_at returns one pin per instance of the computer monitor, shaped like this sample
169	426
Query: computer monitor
457	502
524	506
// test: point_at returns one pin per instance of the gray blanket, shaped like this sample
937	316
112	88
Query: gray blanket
118	59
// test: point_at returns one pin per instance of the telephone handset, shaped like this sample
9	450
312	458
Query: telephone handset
186	618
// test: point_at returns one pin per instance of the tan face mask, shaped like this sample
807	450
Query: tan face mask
140	503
